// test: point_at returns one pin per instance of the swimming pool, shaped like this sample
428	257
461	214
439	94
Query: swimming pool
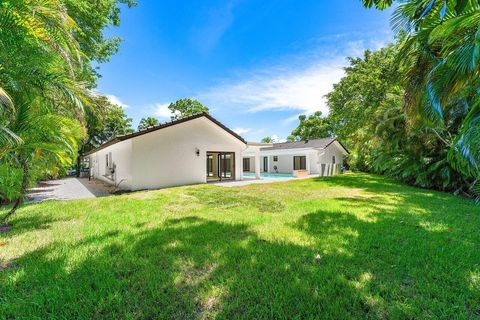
268	175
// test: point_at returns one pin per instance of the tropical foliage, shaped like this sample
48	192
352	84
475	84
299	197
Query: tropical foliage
108	122
440	56
47	50
186	107
368	114
312	127
147	122
411	110
268	140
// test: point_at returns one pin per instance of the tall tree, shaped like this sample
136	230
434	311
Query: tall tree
368	115
46	53
108	122
441	58
312	127
147	122
356	99
186	107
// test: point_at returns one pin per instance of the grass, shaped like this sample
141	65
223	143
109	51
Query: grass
351	246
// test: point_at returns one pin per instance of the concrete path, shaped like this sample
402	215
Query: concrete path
69	189
246	182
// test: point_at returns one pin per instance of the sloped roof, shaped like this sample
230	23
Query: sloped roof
162	126
313	143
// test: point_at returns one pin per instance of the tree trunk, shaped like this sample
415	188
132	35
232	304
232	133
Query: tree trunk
23	188
79	163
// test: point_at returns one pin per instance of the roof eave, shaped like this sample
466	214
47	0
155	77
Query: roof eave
163	126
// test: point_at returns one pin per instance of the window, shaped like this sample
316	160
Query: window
226	165
246	164
210	172
333	159
108	162
275	158
299	163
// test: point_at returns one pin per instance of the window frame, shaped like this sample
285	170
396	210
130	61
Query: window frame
246	164
302	163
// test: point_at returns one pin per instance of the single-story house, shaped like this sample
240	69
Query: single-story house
200	149
191	150
323	157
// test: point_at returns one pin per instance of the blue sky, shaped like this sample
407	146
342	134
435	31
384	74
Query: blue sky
256	64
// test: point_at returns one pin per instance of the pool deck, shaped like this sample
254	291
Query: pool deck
247	181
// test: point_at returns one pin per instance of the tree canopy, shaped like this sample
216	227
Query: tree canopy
147	122
268	140
47	53
440	58
314	126
186	107
367	112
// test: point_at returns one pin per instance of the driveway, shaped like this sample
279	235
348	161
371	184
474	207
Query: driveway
69	189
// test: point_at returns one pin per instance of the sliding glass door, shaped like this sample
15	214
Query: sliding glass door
299	163
220	166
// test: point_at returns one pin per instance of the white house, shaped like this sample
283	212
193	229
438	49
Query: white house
199	149
323	157
191	150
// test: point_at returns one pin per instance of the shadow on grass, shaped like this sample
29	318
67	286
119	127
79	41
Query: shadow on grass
236	198
196	268
22	223
381	184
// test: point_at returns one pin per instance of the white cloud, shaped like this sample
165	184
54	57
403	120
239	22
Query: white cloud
297	83
240	130
161	110
115	100
280	88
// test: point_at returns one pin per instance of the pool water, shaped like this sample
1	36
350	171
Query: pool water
268	175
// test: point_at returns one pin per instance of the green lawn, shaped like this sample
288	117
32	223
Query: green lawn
385	251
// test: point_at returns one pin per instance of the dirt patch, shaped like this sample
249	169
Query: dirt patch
5	228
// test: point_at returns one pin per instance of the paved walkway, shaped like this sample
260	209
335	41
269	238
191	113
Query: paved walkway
246	182
69	189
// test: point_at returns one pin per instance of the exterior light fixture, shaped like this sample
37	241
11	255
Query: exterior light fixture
197	152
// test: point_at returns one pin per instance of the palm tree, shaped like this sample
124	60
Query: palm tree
45	83
441	56
147	122
40	94
48	141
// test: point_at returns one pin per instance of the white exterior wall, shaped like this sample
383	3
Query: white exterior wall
284	164
167	157
314	162
326	166
121	158
319	161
